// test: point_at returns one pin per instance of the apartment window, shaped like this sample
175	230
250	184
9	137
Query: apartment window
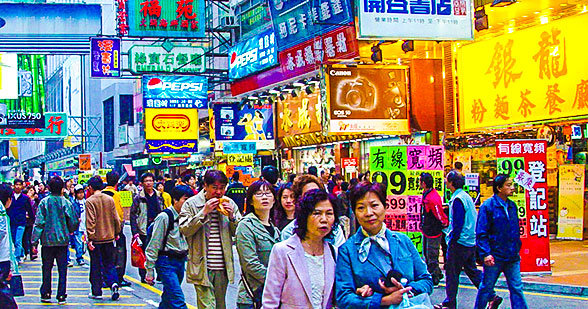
126	109
108	124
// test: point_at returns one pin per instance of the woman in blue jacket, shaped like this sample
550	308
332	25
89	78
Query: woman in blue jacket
372	252
499	243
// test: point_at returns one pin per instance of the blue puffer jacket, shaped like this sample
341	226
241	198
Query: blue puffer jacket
497	230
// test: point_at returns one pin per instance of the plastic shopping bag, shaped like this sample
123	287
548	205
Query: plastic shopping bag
137	255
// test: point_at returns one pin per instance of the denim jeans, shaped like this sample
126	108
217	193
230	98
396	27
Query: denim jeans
512	272
102	264
171	272
48	255
17	234
75	241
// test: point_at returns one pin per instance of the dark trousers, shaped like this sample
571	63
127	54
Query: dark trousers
121	256
4	271
459	258
102	264
431	254
143	272
26	241
59	255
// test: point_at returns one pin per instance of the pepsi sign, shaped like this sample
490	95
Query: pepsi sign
253	55
168	91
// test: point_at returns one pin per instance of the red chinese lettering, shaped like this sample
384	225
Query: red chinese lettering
185	9
106	57
106	69
151	8
194	25
163	23
8	132
55	123
153	23
106	45
184	24
32	131
174	23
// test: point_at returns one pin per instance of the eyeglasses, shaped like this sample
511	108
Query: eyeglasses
261	194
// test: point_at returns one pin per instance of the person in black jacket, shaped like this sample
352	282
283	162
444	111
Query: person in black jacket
237	192
18	211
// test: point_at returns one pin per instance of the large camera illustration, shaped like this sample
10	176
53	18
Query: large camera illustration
398	106
358	94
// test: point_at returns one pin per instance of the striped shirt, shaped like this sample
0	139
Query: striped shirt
215	257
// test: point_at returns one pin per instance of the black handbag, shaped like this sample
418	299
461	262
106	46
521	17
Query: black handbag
255	295
16	286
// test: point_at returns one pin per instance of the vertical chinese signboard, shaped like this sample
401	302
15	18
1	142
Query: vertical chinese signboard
105	57
570	219
165	18
530	156
399	168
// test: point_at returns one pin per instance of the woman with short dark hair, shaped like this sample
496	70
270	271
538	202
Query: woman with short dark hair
256	235
375	252
301	269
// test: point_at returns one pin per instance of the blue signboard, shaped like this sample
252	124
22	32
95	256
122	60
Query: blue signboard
171	146
234	122
297	21
105	57
169	91
239	147
253	55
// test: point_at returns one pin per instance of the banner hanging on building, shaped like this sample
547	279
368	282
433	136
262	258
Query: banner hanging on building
530	156
420	20
570	219
299	115
105	57
55	128
8	77
165	18
399	168
174	91
178	58
253	55
368	100
527	76
248	122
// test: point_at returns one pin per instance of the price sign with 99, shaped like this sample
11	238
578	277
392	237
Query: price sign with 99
397	203
510	166
395	183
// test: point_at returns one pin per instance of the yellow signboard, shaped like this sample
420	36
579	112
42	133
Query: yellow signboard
240	159
571	202
171	124
83	178
529	75
126	198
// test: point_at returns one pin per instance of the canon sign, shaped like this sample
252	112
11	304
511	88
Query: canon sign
339	73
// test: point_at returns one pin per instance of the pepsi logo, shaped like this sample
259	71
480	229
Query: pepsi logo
154	83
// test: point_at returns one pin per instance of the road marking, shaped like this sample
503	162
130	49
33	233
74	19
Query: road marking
68	276
528	293
151	288
83	304
54	271
56	281
152	303
128	288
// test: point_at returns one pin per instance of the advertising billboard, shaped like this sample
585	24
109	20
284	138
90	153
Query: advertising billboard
296	21
253	55
169	91
171	124
299	114
254	20
157	59
105	57
166	18
8	76
27	110
248	122
55	127
419	20
368	99
171	146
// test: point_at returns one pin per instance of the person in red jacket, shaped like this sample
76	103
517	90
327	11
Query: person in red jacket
434	221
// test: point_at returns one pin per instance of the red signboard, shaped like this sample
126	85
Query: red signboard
530	156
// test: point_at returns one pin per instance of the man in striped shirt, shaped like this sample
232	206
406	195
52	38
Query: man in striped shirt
208	220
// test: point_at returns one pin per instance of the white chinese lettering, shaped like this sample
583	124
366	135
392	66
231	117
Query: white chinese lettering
515	148
503	148
292	25
290	63
325	11
299	59
527	148
341	43
537	169
538	226
337	7
309	55
283	30
329	47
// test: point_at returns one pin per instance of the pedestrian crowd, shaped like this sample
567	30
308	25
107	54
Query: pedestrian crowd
311	242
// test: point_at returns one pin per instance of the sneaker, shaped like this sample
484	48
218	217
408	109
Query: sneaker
81	263
115	294
495	302
124	283
70	264
61	299
92	296
46	298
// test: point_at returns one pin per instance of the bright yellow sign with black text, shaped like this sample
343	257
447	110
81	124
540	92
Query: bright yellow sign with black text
171	124
529	75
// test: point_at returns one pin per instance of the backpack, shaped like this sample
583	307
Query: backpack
170	226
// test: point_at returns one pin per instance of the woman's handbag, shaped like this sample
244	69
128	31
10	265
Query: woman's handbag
255	295
16	286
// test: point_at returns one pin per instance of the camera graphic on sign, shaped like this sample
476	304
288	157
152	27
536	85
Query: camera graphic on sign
358	94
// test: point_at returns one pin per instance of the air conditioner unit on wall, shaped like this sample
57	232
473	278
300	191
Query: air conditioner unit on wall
228	22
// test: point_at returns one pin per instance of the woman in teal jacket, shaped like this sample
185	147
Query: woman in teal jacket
372	252
256	235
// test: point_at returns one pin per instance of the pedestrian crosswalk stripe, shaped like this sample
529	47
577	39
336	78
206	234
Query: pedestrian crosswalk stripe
527	293
68	276
68	289
83	304
55	282
54	271
152	289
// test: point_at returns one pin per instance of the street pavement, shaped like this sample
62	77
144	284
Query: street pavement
143	295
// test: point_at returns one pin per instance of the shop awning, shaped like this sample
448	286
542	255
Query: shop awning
129	169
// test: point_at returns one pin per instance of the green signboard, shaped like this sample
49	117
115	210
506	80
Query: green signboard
166	18
254	20
141	162
168	59
55	128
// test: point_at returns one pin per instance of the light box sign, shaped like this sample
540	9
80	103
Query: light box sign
254	19
530	75
105	57
368	99
171	124
179	146
155	59
296	21
55	128
245	123
419	20
168	91
253	55
299	115
166	18
8	76
238	147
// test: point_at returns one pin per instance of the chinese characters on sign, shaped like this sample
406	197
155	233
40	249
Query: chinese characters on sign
155	58
105	57
253	55
122	16
416	19
166	18
55	127
399	168
168	91
525	161
530	75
